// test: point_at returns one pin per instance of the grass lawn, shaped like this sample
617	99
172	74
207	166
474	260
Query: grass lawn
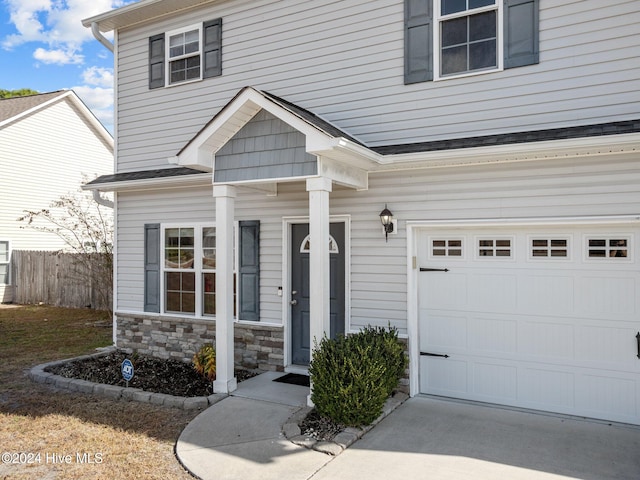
70	435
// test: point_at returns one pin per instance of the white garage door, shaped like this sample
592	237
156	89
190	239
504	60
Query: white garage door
543	318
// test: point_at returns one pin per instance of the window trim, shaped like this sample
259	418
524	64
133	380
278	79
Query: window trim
8	262
198	269
498	7
495	258
550	237
629	237
447	247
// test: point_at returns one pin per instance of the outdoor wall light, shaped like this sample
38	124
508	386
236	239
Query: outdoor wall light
386	217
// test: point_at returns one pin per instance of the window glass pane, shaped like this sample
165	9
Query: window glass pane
454	60
482	26
4	274
482	55
480	3
597	242
188	303
172	237
173	281
209	291
4	251
173	302
454	32
539	243
455	243
209	247
453	6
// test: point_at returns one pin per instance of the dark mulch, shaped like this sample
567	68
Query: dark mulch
151	374
320	428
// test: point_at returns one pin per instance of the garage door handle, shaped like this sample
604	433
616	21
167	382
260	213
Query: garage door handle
424	269
427	354
638	339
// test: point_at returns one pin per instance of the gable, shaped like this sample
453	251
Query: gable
264	148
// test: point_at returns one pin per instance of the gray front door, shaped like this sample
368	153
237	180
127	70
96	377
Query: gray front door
300	336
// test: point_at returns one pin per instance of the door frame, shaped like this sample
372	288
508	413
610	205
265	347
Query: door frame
286	281
415	228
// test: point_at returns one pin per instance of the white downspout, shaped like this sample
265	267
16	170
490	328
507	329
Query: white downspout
100	200
101	38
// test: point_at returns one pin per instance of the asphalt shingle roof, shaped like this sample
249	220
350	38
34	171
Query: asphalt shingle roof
11	107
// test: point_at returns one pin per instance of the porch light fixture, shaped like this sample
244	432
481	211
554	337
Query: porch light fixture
386	217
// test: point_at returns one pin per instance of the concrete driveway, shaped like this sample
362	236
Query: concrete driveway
432	439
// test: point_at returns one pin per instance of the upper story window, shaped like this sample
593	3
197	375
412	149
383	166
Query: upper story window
186	55
452	38
466	36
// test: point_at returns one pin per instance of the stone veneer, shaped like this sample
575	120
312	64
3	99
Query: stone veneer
257	346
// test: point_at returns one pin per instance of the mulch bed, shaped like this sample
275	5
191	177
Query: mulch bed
151	374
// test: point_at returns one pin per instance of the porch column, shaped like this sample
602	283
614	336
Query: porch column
319	284
225	382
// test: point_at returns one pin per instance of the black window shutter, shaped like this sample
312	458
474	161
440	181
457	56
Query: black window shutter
212	48
156	61
249	270
418	41
521	19
152	267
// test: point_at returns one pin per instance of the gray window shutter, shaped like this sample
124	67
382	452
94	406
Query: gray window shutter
418	41
521	29
152	267
156	61
249	270
212	48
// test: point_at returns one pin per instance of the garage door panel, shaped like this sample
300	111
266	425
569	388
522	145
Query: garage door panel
553	334
607	346
444	332
445	377
545	389
494	382
493	335
545	294
607	394
492	292
608	295
450	292
547	339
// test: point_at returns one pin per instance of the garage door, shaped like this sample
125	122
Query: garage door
543	318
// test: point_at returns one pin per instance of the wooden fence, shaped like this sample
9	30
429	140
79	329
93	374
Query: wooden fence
62	279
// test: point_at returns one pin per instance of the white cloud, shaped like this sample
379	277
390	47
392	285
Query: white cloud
56	23
98	76
57	56
100	101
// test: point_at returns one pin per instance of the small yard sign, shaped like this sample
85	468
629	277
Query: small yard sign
127	370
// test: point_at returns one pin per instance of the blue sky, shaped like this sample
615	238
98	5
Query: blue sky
43	46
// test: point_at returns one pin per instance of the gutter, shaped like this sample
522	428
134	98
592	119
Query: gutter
101	38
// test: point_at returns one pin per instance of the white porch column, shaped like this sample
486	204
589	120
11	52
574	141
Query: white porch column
225	201
319	284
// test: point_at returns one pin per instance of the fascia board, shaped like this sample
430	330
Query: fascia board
531	151
193	180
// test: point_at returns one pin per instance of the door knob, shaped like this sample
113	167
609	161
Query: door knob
294	302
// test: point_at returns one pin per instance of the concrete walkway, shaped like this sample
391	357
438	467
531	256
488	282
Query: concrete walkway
240	438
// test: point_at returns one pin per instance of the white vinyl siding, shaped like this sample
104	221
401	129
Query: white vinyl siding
351	74
554	188
44	157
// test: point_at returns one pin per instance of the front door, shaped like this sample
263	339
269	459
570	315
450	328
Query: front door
300	335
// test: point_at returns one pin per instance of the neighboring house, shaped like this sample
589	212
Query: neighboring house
47	143
258	142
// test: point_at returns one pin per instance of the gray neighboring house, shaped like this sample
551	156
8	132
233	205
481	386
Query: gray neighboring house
47	143
259	142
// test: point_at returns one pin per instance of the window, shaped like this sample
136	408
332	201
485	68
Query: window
183	54
490	247
613	247
549	247
189	270
449	38
186	55
5	254
180	269
446	247
466	36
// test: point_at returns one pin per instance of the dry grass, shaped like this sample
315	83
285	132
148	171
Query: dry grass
125	440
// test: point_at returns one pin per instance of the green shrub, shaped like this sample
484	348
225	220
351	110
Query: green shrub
204	362
354	375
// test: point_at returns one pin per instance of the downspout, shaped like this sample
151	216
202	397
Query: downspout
100	200
101	38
